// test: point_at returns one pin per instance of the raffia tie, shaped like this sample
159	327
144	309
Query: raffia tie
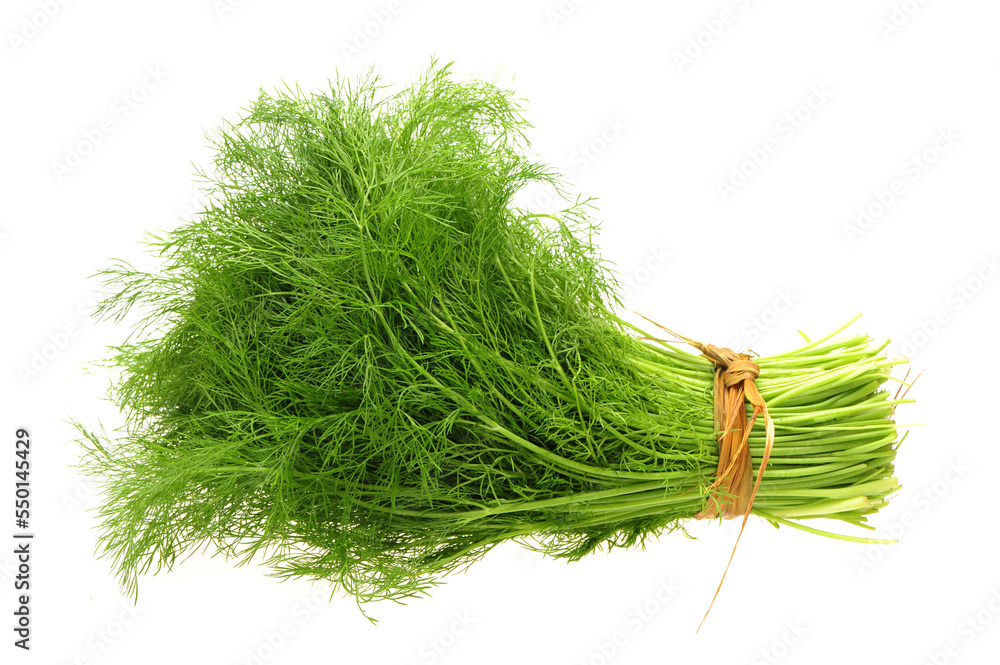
735	377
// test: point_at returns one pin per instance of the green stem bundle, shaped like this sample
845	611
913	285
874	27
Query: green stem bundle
363	361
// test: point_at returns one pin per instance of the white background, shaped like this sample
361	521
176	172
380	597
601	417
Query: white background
649	109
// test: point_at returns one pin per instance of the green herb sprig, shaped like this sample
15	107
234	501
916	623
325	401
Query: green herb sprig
362	361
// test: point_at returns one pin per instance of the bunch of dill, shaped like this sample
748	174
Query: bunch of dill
364	362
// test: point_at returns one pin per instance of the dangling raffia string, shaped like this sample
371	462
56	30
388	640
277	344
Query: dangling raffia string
735	374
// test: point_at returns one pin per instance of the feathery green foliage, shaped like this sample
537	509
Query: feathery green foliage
363	361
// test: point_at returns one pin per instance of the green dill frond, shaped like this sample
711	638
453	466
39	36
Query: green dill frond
362	360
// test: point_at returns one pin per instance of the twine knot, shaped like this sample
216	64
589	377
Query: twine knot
731	495
741	370
735	376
